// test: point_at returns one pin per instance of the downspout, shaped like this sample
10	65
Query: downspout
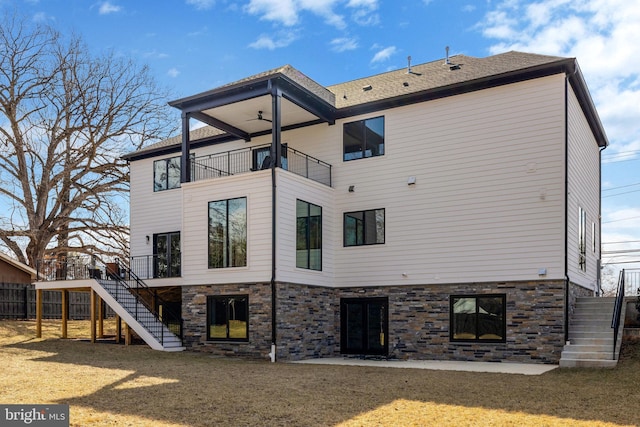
566	209
599	272
276	97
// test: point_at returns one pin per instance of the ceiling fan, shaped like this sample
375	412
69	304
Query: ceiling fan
260	117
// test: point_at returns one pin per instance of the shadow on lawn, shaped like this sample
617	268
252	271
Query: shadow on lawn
197	390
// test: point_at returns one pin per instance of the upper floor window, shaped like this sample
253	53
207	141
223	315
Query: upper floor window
228	233
308	235
478	318
364	138
166	174
582	239
364	227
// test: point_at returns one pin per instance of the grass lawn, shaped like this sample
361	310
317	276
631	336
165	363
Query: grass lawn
108	384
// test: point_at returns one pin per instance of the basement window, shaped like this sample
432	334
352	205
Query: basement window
478	318
228	318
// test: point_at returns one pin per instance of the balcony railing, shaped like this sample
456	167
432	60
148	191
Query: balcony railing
75	268
246	160
153	267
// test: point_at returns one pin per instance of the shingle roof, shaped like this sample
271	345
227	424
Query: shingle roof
431	76
434	75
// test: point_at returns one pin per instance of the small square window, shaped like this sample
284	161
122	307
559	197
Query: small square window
364	227
364	138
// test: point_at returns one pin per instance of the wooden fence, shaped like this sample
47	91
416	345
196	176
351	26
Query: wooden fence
18	301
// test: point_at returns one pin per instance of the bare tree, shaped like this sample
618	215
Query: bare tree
66	117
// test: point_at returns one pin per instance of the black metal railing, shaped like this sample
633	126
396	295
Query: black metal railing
154	267
124	285
617	310
155	305
246	160
71	268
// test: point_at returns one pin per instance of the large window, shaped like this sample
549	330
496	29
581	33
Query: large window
228	233
228	318
166	252
364	227
478	318
166	174
582	239
308	235
364	138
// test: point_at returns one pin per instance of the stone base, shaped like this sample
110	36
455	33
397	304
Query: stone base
308	321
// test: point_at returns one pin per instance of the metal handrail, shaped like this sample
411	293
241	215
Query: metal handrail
617	311
134	284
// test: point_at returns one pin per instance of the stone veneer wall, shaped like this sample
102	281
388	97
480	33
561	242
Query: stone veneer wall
194	314
309	321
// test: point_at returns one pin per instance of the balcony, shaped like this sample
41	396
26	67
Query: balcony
256	158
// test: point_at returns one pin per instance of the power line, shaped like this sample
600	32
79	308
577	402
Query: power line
621	219
618	243
622	186
620	194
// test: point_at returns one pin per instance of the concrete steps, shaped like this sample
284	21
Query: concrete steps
590	342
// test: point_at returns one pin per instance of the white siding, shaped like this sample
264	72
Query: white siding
488	202
151	212
583	191
256	187
290	188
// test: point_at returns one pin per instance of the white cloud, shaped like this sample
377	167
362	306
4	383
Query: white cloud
283	11
108	7
268	42
40	17
288	12
384	54
343	44
202	4
173	72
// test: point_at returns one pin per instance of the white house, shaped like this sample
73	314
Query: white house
449	210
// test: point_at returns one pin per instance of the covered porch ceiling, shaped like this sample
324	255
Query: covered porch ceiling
276	100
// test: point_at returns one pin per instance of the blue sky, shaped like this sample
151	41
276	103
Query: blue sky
196	45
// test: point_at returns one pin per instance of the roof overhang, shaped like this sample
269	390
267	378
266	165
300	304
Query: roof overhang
245	109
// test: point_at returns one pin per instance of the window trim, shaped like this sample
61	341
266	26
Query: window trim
210	299
364	139
308	249
166	162
226	251
384	225
170	236
477	339
582	239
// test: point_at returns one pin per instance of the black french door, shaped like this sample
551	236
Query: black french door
364	326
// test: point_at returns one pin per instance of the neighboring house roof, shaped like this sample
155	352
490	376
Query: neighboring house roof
17	264
418	83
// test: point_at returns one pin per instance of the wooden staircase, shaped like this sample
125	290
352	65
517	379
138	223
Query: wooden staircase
591	336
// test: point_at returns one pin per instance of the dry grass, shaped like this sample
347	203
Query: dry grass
108	384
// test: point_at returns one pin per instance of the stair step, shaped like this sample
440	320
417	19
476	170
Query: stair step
593	341
587	363
588	355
